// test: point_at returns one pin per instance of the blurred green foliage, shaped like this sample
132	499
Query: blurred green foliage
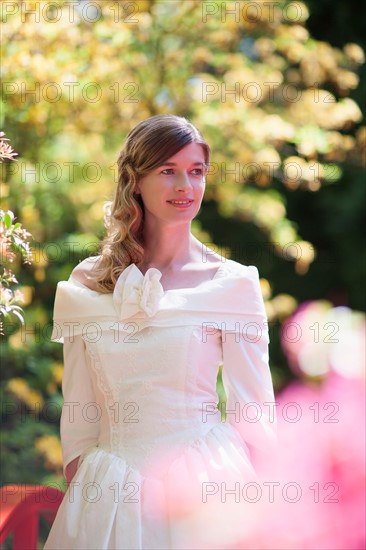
285	192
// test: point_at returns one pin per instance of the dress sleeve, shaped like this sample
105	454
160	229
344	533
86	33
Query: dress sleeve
250	406
80	416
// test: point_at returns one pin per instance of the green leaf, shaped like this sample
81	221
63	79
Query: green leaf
8	219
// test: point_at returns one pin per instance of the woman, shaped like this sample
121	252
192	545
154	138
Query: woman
145	326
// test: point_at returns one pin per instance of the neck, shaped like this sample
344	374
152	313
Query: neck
168	247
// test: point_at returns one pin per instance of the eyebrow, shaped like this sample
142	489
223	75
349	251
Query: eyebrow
174	164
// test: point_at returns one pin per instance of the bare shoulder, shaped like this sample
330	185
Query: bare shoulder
82	272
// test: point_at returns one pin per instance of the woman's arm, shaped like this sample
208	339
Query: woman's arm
250	407
78	429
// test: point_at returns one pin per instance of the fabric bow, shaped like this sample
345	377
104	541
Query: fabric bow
135	292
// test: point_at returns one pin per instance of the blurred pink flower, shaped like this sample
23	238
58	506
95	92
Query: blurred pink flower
318	478
315	495
320	338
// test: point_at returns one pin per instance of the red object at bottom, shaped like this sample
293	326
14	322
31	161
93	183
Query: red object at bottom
20	508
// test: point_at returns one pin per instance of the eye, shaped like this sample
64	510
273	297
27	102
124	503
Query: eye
170	170
197	172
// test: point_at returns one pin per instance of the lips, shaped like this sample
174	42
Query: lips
181	201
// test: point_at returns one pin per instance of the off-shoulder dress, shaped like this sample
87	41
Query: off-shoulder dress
158	463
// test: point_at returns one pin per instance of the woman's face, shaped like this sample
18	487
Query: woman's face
173	192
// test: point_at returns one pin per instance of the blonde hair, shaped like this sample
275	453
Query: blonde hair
147	146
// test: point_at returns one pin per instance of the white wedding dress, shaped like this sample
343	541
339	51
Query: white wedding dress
140	408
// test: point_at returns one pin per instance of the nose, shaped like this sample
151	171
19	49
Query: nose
183	182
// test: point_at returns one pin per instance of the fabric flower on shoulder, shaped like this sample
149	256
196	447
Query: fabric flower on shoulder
135	293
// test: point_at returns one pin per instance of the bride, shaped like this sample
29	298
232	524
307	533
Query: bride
148	457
